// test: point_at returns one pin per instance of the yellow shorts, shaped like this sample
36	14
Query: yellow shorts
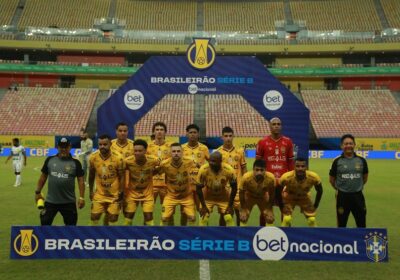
111	208
168	207
304	202
161	190
221	205
130	206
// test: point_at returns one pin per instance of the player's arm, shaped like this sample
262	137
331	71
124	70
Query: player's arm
259	150
269	195
290	158
333	173
8	158
81	183
318	196
40	184
92	176
24	154
199	190
365	171
89	147
243	164
233	184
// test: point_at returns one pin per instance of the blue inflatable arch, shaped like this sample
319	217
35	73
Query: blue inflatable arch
247	76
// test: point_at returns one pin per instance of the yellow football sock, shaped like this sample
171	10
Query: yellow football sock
243	224
269	225
149	223
128	222
287	221
229	220
94	223
203	221
311	222
112	223
191	223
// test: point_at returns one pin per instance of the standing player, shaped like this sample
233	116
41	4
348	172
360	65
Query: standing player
86	150
257	187
297	186
123	146
235	157
216	177
17	154
348	175
199	153
277	151
177	176
108	169
141	169
161	149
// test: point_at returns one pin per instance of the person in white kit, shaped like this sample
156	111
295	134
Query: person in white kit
18	156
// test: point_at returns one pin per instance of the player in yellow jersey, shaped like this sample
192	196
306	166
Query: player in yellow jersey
199	153
297	185
257	187
234	156
107	169
139	191
177	176
216	177
161	149
121	145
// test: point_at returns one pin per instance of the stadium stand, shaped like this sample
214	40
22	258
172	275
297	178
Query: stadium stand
63	14
347	15
175	110
392	12
246	16
46	111
232	110
364	113
158	15
7	10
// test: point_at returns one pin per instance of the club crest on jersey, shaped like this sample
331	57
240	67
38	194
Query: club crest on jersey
201	54
376	246
68	168
26	243
283	150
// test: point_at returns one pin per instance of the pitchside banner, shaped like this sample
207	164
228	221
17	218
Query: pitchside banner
218	243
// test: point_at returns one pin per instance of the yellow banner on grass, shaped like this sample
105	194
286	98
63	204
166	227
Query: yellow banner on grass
28	141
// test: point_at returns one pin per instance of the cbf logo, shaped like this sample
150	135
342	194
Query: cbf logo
26	243
201	54
376	245
270	243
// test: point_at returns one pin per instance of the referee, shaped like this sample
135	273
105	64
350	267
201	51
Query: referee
348	175
61	170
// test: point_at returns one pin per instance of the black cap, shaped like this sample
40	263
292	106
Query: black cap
63	142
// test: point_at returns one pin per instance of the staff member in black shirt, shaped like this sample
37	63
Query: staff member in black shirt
348	175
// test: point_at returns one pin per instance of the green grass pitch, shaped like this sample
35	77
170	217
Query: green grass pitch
383	202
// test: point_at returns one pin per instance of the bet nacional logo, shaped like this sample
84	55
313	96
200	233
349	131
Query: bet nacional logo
26	243
201	54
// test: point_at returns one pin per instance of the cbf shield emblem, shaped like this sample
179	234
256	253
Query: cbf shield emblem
376	245
26	243
201	54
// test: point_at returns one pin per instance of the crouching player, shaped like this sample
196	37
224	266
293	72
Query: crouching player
257	187
107	168
216	177
297	185
177	177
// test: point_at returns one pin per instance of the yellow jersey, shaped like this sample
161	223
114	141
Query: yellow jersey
140	177
234	157
125	150
299	188
177	178
215	183
108	173
161	152
257	189
199	154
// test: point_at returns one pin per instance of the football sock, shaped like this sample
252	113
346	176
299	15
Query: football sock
311	222
287	220
229	220
149	223
128	222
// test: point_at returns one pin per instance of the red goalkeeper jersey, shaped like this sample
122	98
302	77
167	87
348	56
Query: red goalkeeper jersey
278	154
